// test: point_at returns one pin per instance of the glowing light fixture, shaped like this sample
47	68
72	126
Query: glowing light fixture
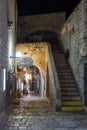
18	54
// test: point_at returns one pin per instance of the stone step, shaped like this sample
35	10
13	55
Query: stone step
65	77
72	103
66	81
69	94
62	58
64	74
56	51
67	89
69	98
58	58
67	85
61	63
58	54
77	108
62	66
64	70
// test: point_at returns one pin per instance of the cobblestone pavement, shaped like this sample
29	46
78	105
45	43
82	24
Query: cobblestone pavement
40	115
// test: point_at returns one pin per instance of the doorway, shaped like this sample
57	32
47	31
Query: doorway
31	80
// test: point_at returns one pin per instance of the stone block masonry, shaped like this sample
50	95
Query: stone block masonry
51	22
3	34
5	47
74	38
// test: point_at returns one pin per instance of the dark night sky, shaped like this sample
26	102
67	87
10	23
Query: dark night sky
30	7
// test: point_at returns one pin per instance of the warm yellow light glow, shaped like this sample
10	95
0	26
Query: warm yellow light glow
18	54
30	76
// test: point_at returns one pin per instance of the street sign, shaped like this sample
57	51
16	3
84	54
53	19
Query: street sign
25	61
14	57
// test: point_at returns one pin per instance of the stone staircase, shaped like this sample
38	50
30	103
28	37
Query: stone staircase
69	92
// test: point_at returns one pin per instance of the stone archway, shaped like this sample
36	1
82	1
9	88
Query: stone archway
43	86
40	36
33	78
34	51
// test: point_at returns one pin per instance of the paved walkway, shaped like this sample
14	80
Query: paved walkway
35	113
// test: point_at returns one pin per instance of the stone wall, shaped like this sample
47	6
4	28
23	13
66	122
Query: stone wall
11	32
53	87
3	49
50	22
37	51
5	46
74	38
3	35
12	29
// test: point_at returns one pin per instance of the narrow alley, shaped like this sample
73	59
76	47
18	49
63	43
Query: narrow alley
43	65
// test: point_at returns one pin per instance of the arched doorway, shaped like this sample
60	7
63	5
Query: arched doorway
31	57
31	80
40	36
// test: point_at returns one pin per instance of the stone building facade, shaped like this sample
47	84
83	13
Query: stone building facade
74	38
7	43
50	22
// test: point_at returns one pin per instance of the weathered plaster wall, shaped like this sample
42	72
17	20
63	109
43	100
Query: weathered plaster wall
74	38
37	51
51	22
